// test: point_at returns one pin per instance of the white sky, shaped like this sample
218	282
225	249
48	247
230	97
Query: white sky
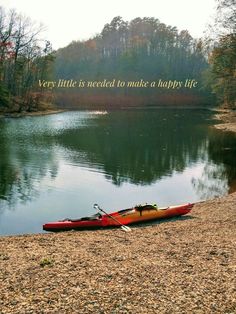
67	20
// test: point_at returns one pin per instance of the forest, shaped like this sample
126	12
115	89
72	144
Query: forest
222	58
24	59
141	49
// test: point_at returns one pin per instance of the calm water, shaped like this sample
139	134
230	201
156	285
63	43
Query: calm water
58	166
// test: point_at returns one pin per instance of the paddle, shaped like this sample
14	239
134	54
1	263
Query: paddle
123	227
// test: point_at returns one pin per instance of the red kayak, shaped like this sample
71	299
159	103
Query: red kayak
137	214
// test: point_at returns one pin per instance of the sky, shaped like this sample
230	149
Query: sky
69	20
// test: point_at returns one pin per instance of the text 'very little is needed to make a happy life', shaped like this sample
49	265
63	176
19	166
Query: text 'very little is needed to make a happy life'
114	83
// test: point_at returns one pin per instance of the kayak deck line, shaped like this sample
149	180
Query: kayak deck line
136	214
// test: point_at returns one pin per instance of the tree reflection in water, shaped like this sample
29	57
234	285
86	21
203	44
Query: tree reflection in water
135	146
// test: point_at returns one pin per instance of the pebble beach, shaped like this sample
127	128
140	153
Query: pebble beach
179	265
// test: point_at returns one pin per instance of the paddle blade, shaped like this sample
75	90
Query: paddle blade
125	228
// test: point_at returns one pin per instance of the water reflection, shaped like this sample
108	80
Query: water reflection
135	147
212	183
138	146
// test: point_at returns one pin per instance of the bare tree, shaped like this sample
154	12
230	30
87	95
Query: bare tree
24	57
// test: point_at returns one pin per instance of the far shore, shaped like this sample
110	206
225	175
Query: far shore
226	117
30	114
180	265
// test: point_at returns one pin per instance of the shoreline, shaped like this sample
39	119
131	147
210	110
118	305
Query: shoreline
179	265
31	114
227	120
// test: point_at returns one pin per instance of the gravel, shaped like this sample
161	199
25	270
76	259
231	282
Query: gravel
180	265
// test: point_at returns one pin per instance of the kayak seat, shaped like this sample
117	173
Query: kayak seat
123	211
97	216
93	217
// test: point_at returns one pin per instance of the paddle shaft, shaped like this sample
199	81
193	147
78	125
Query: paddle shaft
116	220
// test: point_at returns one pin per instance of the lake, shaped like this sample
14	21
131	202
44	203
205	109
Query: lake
58	166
